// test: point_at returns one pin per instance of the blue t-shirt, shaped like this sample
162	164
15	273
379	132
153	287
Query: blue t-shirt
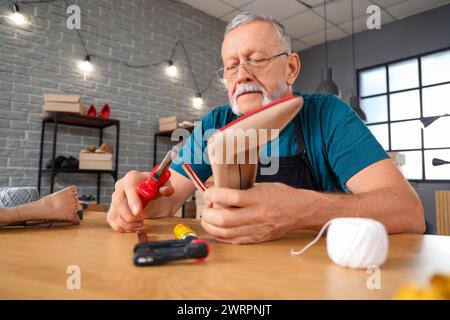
338	143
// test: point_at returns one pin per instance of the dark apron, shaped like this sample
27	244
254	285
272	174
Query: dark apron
295	171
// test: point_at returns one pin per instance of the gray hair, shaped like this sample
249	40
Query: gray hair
246	17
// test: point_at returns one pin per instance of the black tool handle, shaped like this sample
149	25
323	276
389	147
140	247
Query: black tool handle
157	256
160	244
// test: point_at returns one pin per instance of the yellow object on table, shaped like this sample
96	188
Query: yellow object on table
439	289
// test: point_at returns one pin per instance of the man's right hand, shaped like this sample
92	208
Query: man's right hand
126	213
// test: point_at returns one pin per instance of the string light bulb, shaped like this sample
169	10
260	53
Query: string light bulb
86	65
17	17
171	69
198	101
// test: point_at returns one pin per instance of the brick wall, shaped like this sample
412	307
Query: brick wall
42	58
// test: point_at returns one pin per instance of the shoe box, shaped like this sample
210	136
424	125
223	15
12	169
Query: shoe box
63	103
96	161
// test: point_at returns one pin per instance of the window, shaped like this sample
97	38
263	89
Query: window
396	96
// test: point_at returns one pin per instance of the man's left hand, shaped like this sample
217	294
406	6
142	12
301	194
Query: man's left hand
265	212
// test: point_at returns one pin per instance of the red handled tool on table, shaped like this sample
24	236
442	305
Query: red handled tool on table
159	175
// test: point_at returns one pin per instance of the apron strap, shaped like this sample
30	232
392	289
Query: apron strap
302	148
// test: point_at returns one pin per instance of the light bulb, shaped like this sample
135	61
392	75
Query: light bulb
171	69
17	17
198	101
86	65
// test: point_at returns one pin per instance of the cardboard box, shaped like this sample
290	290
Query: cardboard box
175	119
170	126
63	103
95	165
95	156
190	210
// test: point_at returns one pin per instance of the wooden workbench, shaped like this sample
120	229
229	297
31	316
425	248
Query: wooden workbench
34	263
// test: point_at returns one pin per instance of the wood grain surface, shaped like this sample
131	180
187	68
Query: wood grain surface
34	263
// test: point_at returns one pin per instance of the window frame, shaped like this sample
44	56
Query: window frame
388	94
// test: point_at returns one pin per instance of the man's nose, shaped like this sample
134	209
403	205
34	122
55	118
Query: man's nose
243	75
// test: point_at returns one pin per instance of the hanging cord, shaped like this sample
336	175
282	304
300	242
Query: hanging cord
353	47
130	65
326	35
137	66
295	252
188	60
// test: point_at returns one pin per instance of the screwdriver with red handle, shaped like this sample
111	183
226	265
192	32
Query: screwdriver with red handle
159	175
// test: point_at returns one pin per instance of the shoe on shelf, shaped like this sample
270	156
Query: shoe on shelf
105	112
70	163
104	148
58	161
92	112
88	149
86	197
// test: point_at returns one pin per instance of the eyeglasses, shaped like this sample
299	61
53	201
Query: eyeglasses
253	66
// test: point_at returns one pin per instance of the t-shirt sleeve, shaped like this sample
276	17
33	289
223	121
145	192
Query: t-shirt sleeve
194	150
349	144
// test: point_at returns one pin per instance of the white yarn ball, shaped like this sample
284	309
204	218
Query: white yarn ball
357	242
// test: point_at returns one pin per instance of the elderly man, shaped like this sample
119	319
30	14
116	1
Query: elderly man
330	165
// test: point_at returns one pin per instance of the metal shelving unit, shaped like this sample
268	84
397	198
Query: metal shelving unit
58	118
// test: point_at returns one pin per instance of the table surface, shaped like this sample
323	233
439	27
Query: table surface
34	263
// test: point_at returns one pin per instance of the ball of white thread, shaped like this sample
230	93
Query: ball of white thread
357	242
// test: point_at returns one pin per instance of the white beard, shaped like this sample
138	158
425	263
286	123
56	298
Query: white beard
279	92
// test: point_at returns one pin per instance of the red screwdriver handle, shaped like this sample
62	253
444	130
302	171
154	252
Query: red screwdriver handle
148	189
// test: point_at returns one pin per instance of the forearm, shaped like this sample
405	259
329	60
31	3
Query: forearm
399	210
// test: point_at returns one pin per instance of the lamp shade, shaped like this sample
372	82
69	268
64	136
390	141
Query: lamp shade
439	162
327	84
354	102
426	121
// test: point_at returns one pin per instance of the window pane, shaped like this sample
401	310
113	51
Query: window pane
373	81
436	68
380	131
438	172
404	75
405	105
406	135
375	109
412	169
436	100
437	135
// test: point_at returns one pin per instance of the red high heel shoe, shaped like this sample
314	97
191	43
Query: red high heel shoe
105	112
92	112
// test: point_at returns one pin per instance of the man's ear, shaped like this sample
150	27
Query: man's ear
293	68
